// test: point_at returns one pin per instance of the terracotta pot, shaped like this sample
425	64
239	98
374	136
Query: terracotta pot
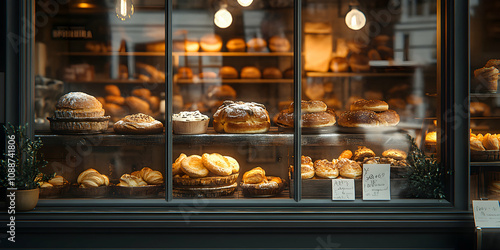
26	199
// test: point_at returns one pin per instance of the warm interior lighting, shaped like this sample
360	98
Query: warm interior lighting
124	9
84	6
355	19
223	18
245	3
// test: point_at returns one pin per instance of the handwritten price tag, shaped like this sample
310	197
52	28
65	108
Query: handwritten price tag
376	182
343	189
486	213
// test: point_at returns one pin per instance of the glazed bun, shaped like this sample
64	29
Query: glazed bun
236	45
279	44
373	105
250	73
241	118
211	43
78	104
228	72
257	45
271	73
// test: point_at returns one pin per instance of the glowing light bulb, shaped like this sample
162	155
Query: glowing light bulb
355	19
245	3
223	18
124	9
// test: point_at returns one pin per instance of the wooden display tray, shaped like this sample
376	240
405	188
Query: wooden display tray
322	188
96	192
251	190
204	192
211	181
148	191
54	192
487	155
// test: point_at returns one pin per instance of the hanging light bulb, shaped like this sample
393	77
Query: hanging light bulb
245	3
124	9
355	19
223	18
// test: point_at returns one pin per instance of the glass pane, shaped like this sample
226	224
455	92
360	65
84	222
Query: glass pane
484	100
370	84
232	66
97	62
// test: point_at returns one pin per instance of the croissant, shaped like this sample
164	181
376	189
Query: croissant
254	176
92	178
490	142
58	181
476	145
150	176
46	185
176	166
127	180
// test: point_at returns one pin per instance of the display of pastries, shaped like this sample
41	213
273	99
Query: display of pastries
315	114
241	118
190	123
138	124
91	178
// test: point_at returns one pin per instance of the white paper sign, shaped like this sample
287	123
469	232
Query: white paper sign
486	213
343	189
376	182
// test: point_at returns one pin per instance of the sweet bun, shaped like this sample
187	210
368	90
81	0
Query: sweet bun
138	124
228	72
185	73
193	167
112	90
306	167
325	169
395	154
176	166
271	73
207	75
211	43
254	176
78	104
339	64
373	105
192	46
363	152
346	154
360	118
257	45
241	117
250	72
236	45
388	118
279	44
217	164
142	93
118	100
137	105
349	169
233	163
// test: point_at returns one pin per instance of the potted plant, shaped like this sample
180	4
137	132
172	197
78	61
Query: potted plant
20	167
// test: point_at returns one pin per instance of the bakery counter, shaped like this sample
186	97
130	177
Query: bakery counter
109	138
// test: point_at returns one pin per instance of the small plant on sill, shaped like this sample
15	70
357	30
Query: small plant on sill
22	159
425	178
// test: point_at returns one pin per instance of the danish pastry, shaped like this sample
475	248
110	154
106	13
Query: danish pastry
325	169
306	167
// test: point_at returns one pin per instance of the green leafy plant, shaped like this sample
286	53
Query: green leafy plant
425	179
26	158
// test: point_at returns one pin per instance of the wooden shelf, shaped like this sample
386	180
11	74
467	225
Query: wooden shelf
111	81
112	53
484	95
360	74
485	164
255	54
239	81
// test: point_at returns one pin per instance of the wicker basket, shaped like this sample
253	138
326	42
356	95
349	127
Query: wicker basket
487	155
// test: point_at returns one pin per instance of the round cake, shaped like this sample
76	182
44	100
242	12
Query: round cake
241	118
190	123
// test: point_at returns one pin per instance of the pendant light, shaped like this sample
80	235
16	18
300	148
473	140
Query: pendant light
223	17
124	9
355	19
245	3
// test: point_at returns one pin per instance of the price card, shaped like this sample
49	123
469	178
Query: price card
376	182
343	189
486	213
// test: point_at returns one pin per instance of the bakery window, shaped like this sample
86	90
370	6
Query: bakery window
217	100
484	102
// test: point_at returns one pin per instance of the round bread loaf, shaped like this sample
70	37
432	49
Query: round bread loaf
185	73
373	105
142	93
118	100
288	73
388	118
236	45
223	92
241	117
279	44
211	43
207	75
228	72
137	105
360	118
250	72
309	120
257	45
339	64
138	124
112	90
271	73
78	104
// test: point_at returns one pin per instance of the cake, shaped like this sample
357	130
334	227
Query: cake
190	122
